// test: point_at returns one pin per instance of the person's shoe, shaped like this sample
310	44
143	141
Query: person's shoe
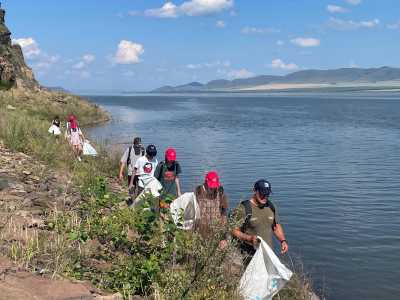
79	158
129	201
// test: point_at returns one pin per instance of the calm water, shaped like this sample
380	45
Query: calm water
333	161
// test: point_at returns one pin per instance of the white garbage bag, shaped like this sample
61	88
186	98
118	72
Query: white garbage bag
185	211
265	275
151	185
88	149
54	130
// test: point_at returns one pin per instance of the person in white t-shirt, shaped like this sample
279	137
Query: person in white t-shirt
129	158
144	170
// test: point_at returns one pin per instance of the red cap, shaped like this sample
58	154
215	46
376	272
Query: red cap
170	154
212	180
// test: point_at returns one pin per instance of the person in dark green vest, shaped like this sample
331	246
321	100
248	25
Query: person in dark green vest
167	172
258	217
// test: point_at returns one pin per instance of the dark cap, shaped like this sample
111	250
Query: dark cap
263	187
151	150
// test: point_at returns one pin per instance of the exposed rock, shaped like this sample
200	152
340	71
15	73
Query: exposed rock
3	184
13	70
20	285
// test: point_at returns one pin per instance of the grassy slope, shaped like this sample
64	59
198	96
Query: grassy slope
99	239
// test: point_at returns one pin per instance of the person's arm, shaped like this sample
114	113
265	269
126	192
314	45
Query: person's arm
278	230
177	180
239	218
132	177
178	186
122	164
121	170
248	238
280	235
157	172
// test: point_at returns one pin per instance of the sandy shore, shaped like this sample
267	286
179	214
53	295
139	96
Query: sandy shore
290	86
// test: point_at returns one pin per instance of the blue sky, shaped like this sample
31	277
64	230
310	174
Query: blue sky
140	45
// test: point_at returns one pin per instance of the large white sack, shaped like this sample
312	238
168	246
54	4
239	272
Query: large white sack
265	275
88	149
54	130
185	211
152	186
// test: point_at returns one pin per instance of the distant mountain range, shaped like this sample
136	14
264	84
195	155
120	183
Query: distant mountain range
300	79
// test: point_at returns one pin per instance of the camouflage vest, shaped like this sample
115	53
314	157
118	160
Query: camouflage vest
210	209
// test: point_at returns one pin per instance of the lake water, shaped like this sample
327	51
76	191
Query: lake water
333	161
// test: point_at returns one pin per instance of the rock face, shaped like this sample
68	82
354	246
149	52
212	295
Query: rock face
13	70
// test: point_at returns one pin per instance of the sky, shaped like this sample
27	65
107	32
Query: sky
138	45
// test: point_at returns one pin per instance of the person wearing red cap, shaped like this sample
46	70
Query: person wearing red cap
167	172
213	204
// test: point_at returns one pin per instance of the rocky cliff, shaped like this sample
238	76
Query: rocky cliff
13	70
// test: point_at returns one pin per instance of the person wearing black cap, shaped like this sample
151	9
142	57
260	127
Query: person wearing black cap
144	170
258	217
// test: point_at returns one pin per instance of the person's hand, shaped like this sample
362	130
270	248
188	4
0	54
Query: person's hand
284	246
254	240
223	244
120	178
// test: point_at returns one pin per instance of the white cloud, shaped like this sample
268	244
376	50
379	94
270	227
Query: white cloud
354	2
257	30
133	13
88	58
45	62
205	7
220	24
79	65
280	43
340	24
84	62
306	42
394	26
128	52
168	10
29	46
239	74
190	8
336	9
214	64
280	64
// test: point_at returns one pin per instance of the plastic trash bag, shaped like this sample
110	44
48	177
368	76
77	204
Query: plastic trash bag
54	130
152	186
88	149
265	275
185	211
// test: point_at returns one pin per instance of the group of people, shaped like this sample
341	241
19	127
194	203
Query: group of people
256	217
73	133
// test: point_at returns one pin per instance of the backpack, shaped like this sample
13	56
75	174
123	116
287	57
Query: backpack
249	212
128	160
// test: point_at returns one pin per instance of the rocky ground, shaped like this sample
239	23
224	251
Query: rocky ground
29	190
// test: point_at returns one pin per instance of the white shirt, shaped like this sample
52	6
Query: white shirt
145	168
134	158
